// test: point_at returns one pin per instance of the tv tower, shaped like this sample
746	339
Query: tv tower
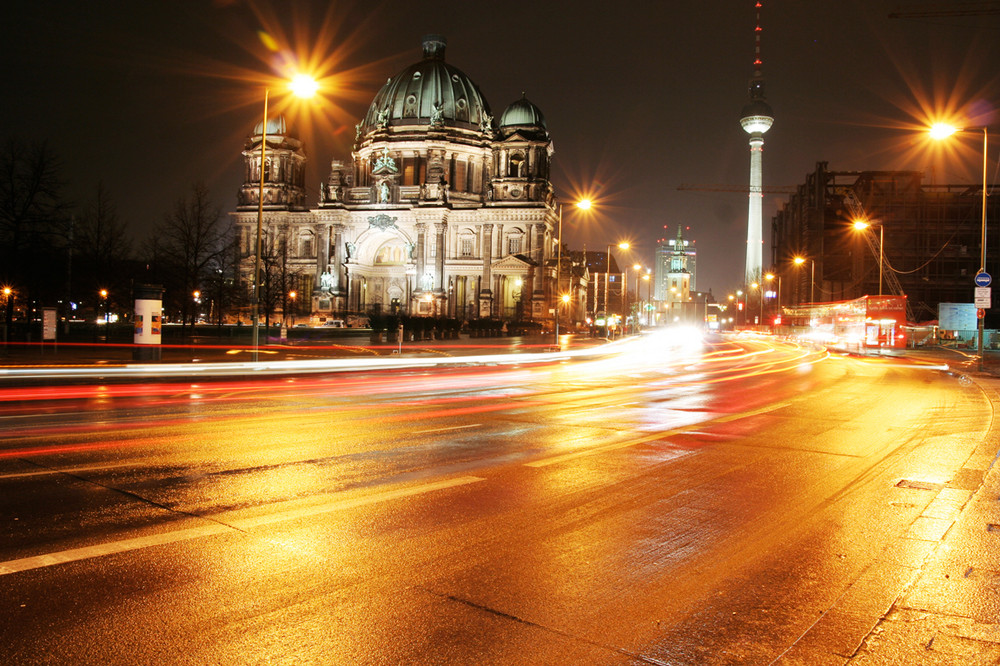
756	119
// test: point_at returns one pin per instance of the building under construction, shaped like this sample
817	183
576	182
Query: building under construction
922	240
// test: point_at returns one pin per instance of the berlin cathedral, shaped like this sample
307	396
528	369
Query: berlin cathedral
443	210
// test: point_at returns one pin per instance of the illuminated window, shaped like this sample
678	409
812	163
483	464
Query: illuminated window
466	246
390	255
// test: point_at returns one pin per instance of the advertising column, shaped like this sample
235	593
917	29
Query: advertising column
148	322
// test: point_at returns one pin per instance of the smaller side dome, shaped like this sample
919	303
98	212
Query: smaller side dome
522	114
275	127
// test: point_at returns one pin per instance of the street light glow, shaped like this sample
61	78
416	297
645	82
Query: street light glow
861	225
942	130
584	204
303	85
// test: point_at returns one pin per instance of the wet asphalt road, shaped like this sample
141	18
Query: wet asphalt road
728	502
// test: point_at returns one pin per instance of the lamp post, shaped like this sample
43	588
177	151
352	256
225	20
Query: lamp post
583	204
649	286
759	286
104	303
292	296
607	281
862	226
624	289
769	277
302	86
638	296
798	261
940	131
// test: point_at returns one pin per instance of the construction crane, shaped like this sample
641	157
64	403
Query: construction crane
970	9
790	189
858	213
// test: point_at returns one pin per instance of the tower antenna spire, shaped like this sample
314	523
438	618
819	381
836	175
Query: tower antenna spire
755	120
756	46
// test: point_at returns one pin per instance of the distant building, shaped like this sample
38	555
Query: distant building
441	209
931	236
667	250
678	303
605	282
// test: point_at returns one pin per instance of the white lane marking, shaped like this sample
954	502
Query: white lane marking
64	470
461	427
229	521
601	449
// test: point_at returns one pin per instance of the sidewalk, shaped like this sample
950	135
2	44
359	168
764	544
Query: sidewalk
949	612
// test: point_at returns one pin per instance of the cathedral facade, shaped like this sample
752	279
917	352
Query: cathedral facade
442	210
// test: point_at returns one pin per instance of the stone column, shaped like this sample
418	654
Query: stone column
538	292
485	293
439	230
339	278
421	255
322	234
487	257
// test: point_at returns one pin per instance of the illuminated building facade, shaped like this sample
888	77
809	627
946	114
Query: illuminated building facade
931	236
666	259
442	210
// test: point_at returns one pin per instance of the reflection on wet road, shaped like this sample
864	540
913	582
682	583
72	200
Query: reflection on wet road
679	501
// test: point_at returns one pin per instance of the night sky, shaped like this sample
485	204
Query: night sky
640	97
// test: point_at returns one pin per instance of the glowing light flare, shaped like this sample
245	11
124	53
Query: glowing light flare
942	130
303	86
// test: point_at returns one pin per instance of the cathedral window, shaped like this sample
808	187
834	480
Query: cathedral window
306	245
475	178
515	166
466	246
514	244
460	181
393	255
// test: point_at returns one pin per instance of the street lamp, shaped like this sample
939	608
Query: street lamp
798	261
583	204
104	302
760	289
940	131
301	86
649	284
607	279
861	225
769	277
638	297
292	296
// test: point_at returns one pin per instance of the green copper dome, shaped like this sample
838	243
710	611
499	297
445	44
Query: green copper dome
522	113
431	93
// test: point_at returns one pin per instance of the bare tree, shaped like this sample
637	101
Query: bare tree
102	245
191	239
278	276
32	221
223	280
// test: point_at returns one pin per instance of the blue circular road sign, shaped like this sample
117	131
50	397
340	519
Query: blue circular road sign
983	279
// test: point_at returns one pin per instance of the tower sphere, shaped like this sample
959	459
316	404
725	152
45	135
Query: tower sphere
756	117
